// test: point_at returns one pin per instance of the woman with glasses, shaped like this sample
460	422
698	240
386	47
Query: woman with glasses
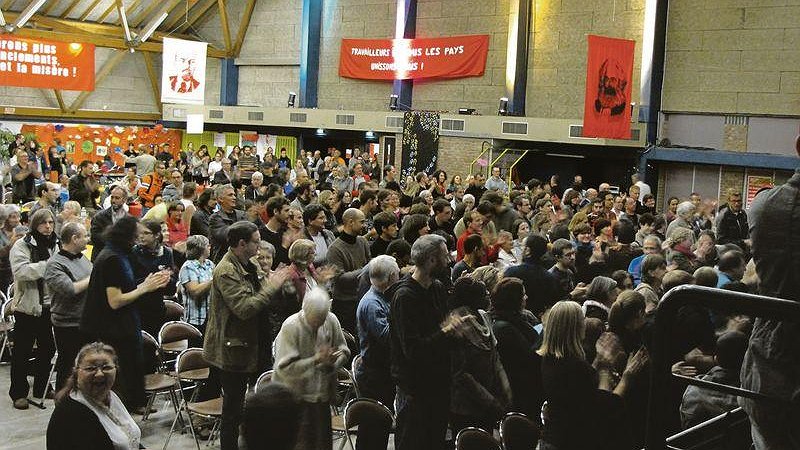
111	312
88	413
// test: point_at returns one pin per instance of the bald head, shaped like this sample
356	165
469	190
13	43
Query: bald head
353	221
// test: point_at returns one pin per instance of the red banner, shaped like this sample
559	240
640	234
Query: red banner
609	79
40	63
402	59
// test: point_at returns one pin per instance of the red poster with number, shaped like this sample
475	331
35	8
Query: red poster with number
609	81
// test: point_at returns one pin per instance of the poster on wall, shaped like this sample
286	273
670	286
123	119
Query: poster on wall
754	184
402	59
609	81
40	63
420	143
183	74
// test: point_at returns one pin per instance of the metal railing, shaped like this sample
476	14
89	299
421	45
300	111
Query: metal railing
665	321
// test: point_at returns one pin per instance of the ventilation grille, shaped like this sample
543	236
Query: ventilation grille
737	120
298	117
453	125
576	131
515	127
178	112
215	114
394	122
345	119
255	115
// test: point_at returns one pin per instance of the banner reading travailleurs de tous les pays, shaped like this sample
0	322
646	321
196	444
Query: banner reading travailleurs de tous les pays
401	59
609	81
40	63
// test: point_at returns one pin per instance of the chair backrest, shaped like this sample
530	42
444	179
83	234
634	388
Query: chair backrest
518	431
152	357
176	330
173	310
370	416
346	378
264	379
355	365
191	359
472	438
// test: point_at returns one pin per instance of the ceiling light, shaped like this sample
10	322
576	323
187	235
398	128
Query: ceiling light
151	28
28	13
393	102
503	109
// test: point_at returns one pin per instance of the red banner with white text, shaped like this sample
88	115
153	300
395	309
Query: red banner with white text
40	63
402	59
609	79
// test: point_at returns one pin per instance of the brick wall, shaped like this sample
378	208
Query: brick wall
557	58
733	57
456	154
732	180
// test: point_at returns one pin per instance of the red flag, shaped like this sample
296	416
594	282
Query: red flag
609	78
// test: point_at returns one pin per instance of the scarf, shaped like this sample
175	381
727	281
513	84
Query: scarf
41	245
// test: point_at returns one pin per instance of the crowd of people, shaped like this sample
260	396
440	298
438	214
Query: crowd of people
469	297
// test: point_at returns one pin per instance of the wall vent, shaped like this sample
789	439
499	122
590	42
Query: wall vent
178	112
255	115
345	119
394	122
298	117
215	113
737	120
515	127
453	125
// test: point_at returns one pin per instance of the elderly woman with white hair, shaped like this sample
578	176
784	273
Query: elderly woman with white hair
309	349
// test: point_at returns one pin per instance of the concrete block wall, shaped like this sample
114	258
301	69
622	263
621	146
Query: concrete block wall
456	154
353	19
557	56
733	56
460	17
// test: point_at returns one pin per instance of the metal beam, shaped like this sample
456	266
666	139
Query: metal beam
519	24
60	100
405	28
130	7
243	26
654	38
69	9
55	113
108	66
89	10
197	14
154	81
310	35
226	31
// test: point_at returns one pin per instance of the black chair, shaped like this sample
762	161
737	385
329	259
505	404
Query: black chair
365	415
518	432
472	438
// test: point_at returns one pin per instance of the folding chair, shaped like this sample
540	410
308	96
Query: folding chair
173	338
364	415
173	311
188	362
6	326
158	382
194	370
518	431
264	379
473	438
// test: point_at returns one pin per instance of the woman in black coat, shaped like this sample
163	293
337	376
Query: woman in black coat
517	341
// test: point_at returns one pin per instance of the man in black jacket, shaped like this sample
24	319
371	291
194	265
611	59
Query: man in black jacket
222	219
105	218
732	225
420	338
541	286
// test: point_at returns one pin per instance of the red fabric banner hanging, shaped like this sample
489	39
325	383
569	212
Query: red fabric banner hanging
401	59
609	79
40	63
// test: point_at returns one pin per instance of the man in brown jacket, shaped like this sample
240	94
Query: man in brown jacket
239	292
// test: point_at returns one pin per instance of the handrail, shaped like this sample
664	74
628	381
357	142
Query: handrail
511	168
732	390
497	159
483	151
717	299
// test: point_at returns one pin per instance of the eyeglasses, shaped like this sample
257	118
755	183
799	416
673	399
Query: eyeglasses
108	368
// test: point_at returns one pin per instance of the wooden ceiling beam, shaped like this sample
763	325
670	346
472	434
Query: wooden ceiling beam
108	66
60	100
175	21
89	10
226	30
69	9
196	14
155	83
143	14
55	113
102	41
50	7
243	25
128	9
107	12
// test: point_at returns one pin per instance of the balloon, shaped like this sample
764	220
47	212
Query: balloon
158	127
59	127
119	129
81	127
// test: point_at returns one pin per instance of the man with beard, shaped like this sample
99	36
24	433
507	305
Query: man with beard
219	222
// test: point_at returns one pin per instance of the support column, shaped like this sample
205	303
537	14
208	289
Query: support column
309	53
229	85
405	28
654	40
519	29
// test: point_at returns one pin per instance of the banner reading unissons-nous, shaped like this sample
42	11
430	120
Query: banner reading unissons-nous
40	63
401	59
